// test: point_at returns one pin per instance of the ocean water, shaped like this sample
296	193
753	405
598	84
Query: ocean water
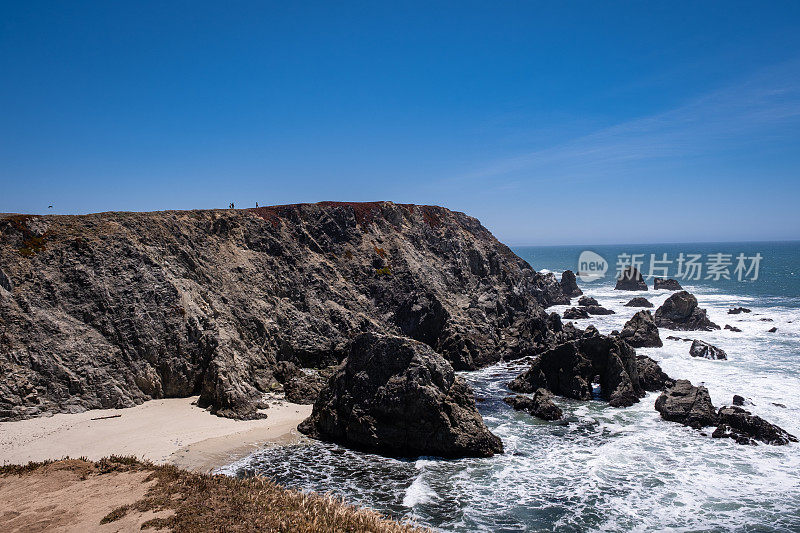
604	468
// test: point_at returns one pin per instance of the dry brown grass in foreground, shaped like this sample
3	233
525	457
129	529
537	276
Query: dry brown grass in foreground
187	501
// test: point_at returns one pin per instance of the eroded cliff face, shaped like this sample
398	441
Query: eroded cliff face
112	309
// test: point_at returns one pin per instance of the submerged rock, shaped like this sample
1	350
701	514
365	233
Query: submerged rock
651	377
680	312
570	368
398	397
639	301
732	328
539	405
772	330
631	280
688	405
706	350
746	428
667	284
641	331
737	310
569	284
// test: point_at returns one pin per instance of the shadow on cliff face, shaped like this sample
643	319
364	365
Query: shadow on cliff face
118	308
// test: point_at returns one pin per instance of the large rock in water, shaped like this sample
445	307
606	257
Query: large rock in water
539	405
398	397
666	284
110	310
706	350
569	285
576	313
570	368
680	312
746	428
641	331
631	280
651	377
639	301
688	405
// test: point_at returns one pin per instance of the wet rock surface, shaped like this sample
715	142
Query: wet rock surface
666	284
688	405
576	313
110	310
631	280
707	351
641	331
737	310
540	405
398	397
746	428
639	301
680	312
570	368
651	377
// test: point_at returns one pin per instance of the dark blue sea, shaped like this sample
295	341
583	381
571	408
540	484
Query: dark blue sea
610	469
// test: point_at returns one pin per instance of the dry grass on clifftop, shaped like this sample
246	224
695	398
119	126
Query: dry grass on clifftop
178	500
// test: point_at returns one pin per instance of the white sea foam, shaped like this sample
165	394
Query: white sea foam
605	469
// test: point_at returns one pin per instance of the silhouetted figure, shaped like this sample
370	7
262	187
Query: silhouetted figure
256	205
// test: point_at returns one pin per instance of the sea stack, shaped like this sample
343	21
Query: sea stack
631	280
397	397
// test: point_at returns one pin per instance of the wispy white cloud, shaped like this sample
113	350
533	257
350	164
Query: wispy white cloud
754	110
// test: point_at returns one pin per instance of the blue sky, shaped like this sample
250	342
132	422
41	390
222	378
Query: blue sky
554	123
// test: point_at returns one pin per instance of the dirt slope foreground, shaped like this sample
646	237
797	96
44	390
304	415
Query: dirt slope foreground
122	494
112	309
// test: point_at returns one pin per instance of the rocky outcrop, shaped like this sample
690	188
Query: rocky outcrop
746	428
598	310
398	397
732	328
737	310
651	377
639	301
738	400
113	309
680	312
772	330
539	405
641	331
706	350
585	301
691	406
575	313
570	368
666	284
631	280
569	285
300	385
688	405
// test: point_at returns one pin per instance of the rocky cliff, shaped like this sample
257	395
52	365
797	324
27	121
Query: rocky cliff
112	309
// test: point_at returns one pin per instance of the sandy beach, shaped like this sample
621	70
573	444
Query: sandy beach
169	431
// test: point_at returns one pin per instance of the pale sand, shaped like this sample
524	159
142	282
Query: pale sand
162	431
